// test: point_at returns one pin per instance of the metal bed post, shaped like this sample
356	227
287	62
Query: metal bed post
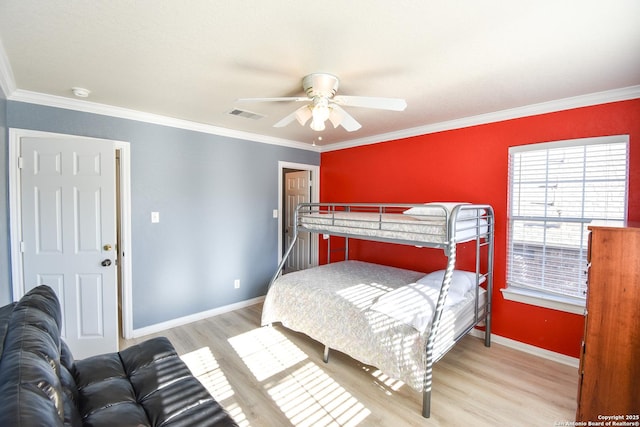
431	341
476	310
489	277
346	248
325	356
346	240
490	239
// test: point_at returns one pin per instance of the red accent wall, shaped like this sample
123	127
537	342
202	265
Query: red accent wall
470	164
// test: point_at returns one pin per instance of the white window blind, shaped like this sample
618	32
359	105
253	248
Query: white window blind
556	190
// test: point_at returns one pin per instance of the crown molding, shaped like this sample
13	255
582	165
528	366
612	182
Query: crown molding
20	95
615	95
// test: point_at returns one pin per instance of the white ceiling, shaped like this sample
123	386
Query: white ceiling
191	60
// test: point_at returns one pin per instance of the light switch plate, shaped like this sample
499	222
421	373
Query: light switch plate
155	217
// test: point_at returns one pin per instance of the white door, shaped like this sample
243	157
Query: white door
69	233
297	190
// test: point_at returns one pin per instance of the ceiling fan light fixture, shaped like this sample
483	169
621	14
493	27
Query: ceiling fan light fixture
319	113
317	125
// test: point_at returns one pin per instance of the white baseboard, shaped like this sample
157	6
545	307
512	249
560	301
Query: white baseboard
159	327
528	348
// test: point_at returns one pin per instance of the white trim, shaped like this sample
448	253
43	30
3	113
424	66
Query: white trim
125	113
541	299
530	349
611	139
125	237
15	223
621	94
615	95
315	198
181	321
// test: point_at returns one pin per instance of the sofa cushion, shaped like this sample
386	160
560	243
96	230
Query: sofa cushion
105	392
146	380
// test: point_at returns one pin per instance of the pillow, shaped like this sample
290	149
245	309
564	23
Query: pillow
452	297
413	304
431	211
461	281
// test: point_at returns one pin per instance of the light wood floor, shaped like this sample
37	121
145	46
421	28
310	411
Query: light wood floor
274	377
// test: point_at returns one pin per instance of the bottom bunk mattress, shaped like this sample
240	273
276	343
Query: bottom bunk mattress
339	305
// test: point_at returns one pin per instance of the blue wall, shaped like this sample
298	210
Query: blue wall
215	196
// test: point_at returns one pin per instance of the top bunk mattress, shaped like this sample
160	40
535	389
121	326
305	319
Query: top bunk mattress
429	224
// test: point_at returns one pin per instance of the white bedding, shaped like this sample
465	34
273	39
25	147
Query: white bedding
392	226
332	304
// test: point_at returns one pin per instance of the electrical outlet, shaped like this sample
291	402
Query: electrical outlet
236	283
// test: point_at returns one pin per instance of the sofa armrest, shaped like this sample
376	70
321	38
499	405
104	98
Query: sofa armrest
5	315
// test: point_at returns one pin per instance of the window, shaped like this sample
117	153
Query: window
555	190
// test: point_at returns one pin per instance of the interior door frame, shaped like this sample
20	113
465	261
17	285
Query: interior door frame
15	217
315	198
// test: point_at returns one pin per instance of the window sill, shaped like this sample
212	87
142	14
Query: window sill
540	299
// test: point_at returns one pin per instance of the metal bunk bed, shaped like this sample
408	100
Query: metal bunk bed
433	225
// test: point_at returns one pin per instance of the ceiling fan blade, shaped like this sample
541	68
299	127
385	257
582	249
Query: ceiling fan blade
284	98
339	117
394	104
302	114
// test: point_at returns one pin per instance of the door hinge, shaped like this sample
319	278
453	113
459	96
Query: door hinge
20	162
21	247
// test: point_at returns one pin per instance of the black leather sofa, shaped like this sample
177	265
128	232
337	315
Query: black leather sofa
42	385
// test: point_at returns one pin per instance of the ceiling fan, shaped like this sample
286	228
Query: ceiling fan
324	104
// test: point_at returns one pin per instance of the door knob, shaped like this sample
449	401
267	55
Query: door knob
107	247
106	263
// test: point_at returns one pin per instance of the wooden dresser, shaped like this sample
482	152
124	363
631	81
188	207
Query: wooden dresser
609	383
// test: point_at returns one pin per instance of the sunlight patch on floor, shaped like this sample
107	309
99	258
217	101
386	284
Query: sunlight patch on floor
305	394
266	352
238	416
391	383
309	397
205	368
